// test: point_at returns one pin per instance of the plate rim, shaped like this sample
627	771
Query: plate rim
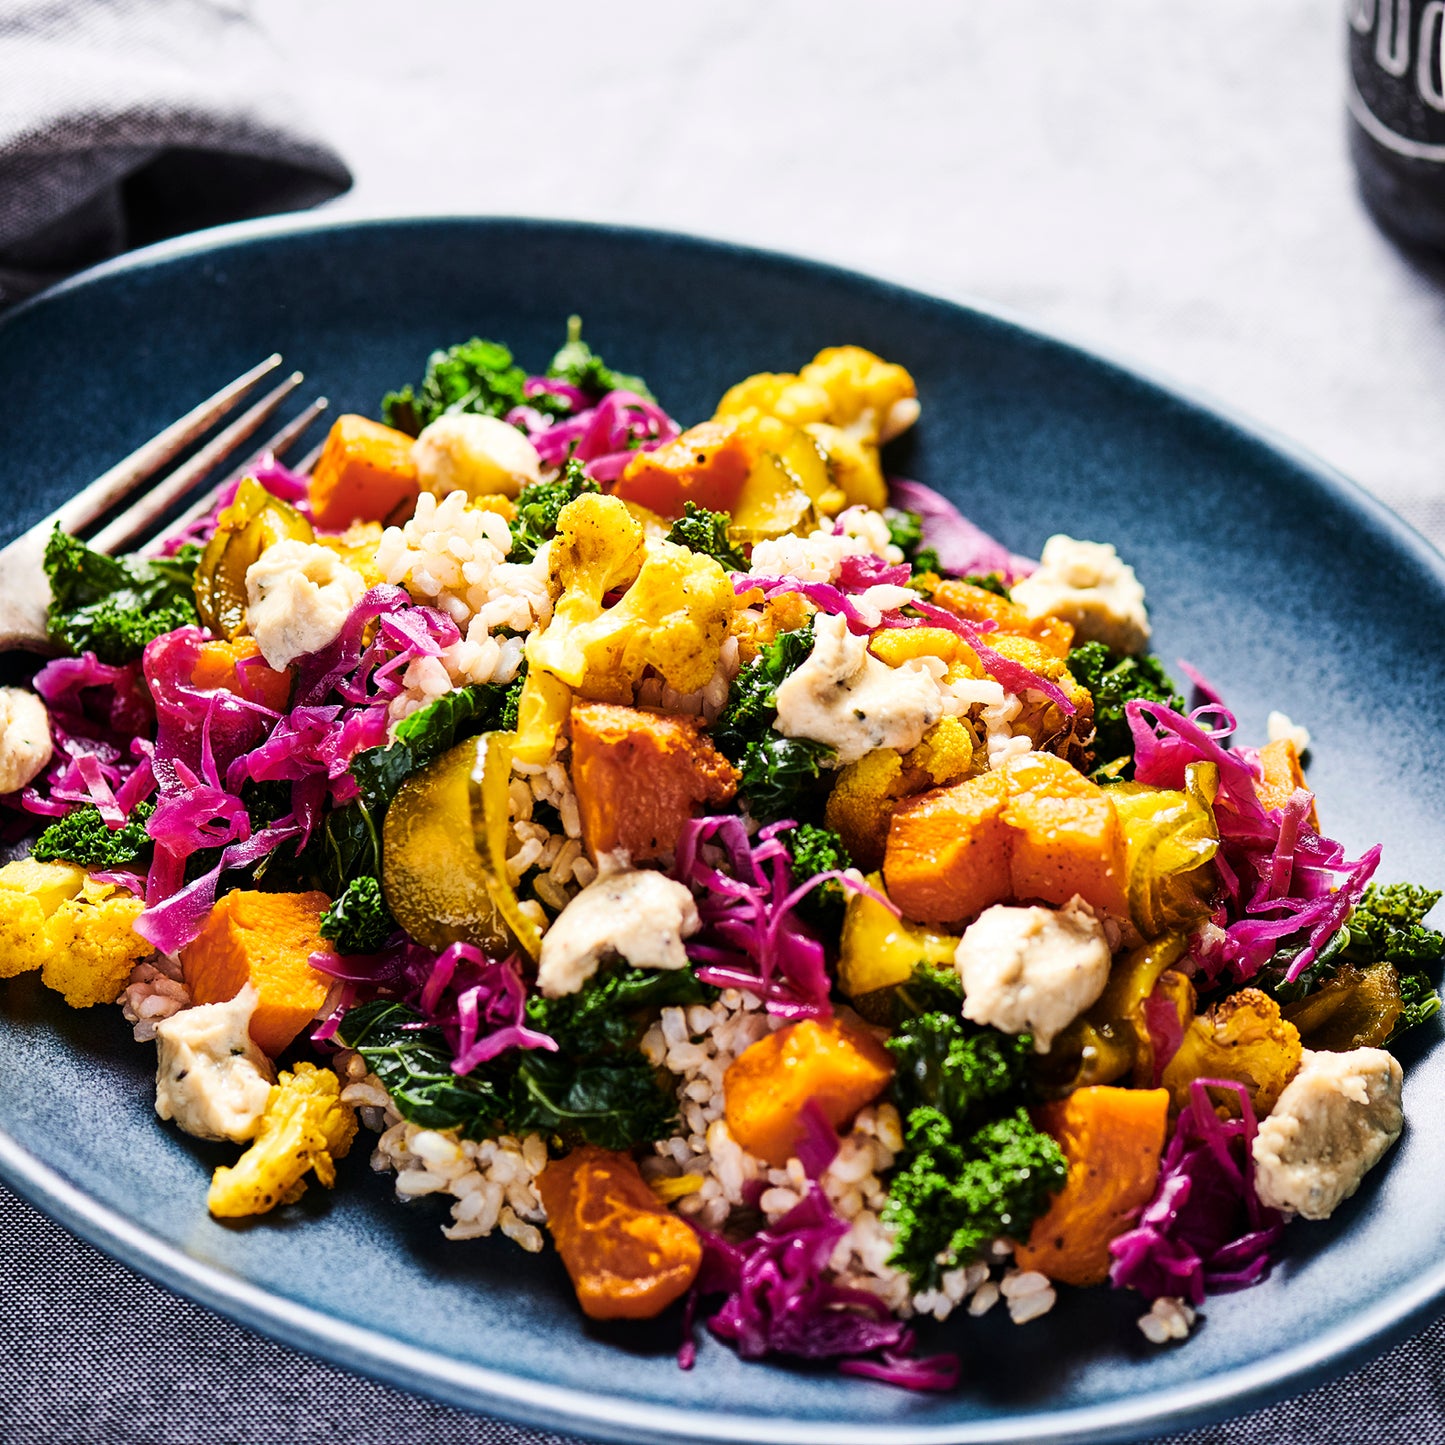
481	1388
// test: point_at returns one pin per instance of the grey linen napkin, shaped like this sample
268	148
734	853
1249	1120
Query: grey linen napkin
126	121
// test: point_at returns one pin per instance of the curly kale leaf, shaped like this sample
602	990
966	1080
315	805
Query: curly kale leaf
539	506
424	736
956	1191
972	1167
947	1064
990	582
113	606
472	376
597	1088
611	1100
1115	681
905	531
577	364
707	532
816	850
1388	925
777	773
84	837
605	1012
413	1062
359	920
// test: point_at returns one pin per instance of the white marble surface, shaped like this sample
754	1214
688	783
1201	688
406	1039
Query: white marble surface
1167	181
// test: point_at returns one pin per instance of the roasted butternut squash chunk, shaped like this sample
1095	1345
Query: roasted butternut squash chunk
364	474
978	604
1066	836
767	1087
949	850
266	939
1112	1139
640	775
628	1256
707	464
1282	775
237	667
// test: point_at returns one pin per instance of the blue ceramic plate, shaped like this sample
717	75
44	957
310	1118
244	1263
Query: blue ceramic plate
1284	583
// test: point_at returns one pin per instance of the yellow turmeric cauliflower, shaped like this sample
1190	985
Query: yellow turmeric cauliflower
305	1128
1244	1039
860	807
848	400
76	931
673	617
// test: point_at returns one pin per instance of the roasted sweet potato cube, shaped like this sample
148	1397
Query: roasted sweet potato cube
639	776
948	851
707	464
767	1087
1066	836
1282	775
266	939
238	667
1112	1139
364	474
628	1256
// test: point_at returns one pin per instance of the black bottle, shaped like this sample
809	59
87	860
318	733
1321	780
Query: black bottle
1397	114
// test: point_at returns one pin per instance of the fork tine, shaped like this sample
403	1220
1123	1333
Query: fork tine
123	478
151	506
276	444
308	462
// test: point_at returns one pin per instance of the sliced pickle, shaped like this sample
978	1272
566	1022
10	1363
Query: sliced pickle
1358	1008
253	521
432	877
489	783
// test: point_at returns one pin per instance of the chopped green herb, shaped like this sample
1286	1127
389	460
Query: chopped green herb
707	532
114	606
84	837
539	506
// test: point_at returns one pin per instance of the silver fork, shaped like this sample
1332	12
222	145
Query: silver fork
24	590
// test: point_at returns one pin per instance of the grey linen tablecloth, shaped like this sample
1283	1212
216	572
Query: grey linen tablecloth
1166	181
126	121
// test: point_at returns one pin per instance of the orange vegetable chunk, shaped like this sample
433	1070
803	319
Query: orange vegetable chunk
1066	836
218	665
767	1087
628	1256
365	474
639	777
707	464
948	851
266	939
978	604
1282	775
1112	1139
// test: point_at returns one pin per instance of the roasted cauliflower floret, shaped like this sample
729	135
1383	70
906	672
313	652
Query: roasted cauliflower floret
860	807
1244	1038
75	931
30	893
93	945
305	1128
871	399
848	400
673	617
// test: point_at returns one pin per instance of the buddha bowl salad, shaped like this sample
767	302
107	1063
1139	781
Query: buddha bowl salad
690	846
